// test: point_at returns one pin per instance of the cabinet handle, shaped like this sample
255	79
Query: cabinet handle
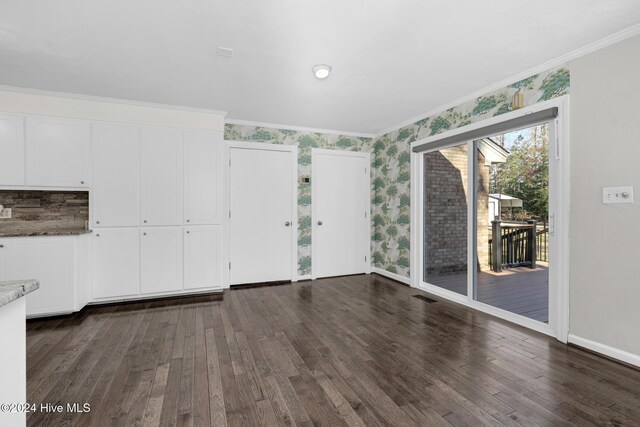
97	222
81	182
319	222
1	246
188	232
188	220
144	234
97	235
145	221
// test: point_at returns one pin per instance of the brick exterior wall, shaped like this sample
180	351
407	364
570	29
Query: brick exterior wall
445	211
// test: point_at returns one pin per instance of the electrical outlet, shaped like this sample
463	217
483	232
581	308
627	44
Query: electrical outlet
611	195
5	213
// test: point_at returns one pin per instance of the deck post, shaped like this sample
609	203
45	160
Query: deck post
496	250
532	244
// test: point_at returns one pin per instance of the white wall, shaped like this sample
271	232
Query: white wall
13	360
89	108
605	239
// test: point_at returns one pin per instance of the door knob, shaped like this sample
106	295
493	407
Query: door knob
287	223
319	222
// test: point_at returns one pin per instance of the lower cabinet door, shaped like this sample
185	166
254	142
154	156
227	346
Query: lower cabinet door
161	259
116	263
48	260
203	257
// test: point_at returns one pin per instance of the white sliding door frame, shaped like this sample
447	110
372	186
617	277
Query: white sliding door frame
367	195
558	326
229	145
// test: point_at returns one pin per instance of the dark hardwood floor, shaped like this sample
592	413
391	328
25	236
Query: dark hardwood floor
356	350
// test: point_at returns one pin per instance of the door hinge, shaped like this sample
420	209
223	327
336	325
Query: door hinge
365	258
229	161
365	214
229	266
229	214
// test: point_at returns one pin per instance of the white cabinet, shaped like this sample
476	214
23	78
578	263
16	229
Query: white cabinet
115	200
161	259
58	152
116	263
203	177
202	257
48	260
161	177
11	150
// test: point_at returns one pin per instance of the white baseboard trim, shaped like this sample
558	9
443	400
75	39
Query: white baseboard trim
305	277
614	353
391	275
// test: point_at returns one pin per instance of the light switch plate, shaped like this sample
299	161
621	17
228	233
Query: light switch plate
617	195
5	213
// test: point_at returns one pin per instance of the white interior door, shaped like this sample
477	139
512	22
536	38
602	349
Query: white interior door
261	223
340	194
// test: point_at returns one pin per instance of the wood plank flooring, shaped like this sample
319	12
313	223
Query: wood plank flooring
356	350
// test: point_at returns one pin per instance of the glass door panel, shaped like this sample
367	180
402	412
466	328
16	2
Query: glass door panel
512	222
445	218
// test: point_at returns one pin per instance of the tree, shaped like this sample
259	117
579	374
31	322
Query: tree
525	174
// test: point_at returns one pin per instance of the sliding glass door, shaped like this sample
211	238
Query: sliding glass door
487	222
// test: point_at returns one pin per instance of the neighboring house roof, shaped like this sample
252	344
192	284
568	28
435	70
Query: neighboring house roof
506	201
492	151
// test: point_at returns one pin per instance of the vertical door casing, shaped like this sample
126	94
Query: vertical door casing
161	259
202	178
116	176
116	263
203	257
262	201
11	150
161	183
340	192
48	260
58	152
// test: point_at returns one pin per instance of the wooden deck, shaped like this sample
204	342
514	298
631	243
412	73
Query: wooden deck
520	290
358	350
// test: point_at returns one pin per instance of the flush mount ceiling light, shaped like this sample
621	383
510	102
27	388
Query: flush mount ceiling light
321	71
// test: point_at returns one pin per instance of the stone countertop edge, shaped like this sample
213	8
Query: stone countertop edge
13	290
45	233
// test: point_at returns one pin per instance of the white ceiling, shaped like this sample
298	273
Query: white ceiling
391	60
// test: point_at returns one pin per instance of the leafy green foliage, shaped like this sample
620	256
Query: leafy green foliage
307	141
304	264
392	150
304	240
404	243
484	104
405	200
378	221
404	158
344	142
392	191
378	183
404	176
524	83
403	262
404	220
392	230
304	223
304	199
377	199
439	124
377	258
555	84
304	159
525	174
262	135
405	133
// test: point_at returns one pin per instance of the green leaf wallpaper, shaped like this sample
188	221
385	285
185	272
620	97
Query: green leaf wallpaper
391	211
305	142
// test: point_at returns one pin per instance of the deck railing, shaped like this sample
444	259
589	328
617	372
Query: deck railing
515	244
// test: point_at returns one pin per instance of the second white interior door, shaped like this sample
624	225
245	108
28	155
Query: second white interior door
261	225
340	196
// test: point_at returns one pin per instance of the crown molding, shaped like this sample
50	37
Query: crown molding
556	62
298	128
102	99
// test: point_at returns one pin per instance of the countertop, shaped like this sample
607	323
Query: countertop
51	232
11	291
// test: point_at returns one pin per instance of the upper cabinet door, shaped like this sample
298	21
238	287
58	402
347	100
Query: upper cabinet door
161	177
116	176
203	177
11	150
58	152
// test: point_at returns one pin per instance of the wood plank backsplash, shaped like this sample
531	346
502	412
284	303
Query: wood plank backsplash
44	210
